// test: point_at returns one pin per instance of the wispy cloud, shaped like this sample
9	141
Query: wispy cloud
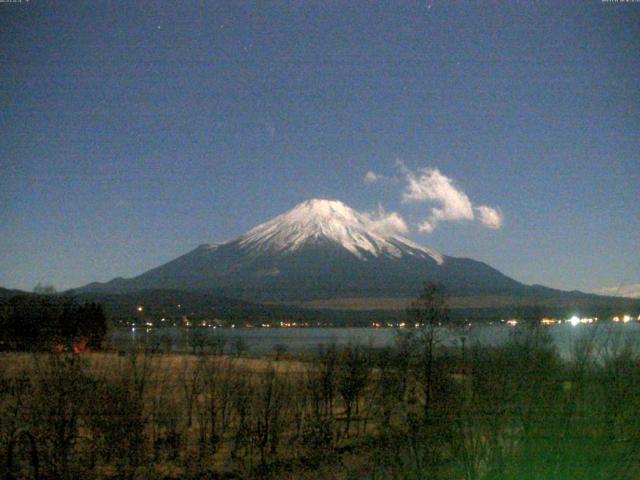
631	291
386	223
371	177
448	202
489	217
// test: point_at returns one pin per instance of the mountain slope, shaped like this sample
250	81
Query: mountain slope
319	249
331	221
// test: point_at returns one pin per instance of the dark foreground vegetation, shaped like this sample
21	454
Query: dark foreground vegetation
410	412
45	322
417	410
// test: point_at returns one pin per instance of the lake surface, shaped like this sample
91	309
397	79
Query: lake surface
263	340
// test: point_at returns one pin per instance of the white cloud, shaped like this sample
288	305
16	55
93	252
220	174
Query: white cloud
386	223
430	185
371	177
450	203
631	291
426	227
489	217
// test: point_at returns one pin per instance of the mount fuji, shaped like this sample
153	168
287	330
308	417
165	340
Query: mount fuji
320	249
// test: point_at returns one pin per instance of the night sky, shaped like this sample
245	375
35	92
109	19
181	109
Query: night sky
131	132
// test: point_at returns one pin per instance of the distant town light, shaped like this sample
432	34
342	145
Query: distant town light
140	308
512	322
574	321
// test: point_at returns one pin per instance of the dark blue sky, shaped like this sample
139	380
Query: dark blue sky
131	132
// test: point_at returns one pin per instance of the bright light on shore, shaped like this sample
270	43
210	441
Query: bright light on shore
574	320
550	321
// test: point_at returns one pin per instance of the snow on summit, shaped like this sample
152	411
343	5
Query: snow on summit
321	220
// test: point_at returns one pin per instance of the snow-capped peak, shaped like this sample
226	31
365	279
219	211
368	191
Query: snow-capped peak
317	219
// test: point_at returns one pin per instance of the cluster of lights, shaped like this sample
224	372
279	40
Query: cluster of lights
397	325
550	321
574	321
618	319
288	324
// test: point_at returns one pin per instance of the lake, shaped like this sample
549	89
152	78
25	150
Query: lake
264	340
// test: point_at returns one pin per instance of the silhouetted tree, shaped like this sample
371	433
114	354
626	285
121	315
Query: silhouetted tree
41	289
240	346
30	322
429	312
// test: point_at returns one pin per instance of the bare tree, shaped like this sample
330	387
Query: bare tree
352	377
428	312
46	289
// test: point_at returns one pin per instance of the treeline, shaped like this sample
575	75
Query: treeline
413	411
42	322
